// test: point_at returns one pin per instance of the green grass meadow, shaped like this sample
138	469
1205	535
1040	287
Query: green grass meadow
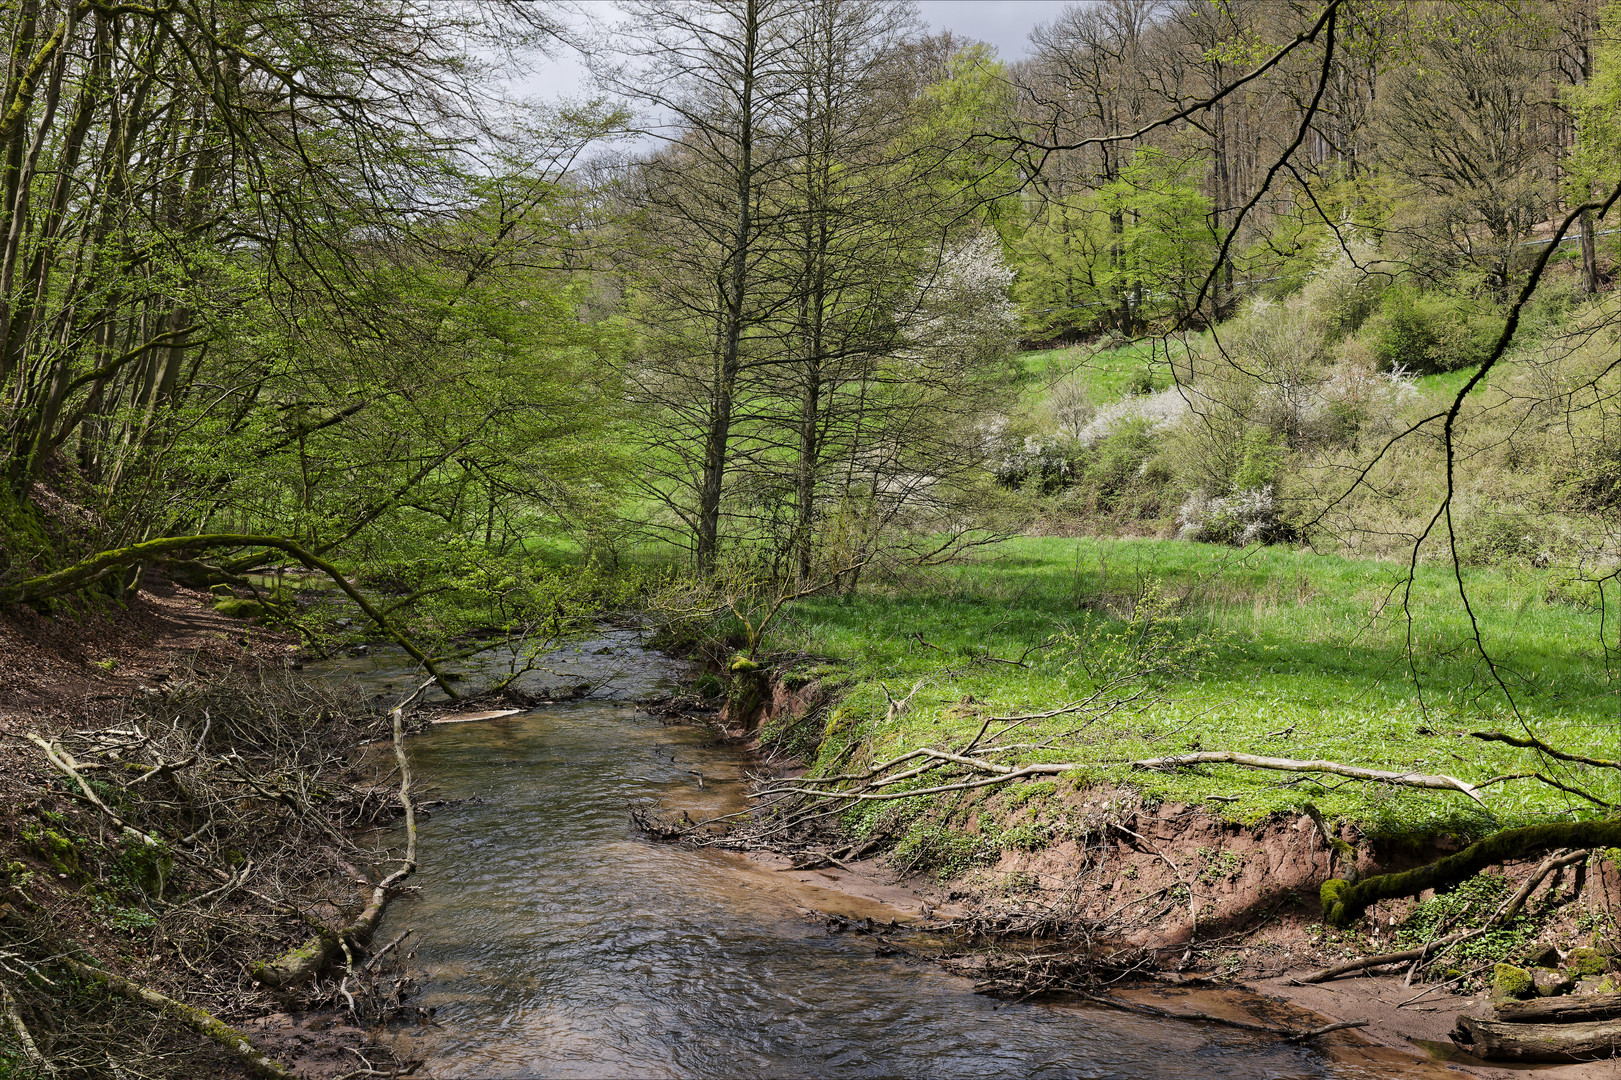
1289	654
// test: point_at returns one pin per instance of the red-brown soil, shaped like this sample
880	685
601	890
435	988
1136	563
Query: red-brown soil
1212	898
76	663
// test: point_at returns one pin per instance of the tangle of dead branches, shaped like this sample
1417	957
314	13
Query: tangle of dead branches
211	825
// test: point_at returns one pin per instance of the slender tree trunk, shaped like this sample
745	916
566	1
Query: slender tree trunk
729	362
1222	294
1589	284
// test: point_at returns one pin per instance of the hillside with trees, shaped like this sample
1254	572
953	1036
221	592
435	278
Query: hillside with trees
835	353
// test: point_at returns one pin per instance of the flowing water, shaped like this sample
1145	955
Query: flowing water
554	940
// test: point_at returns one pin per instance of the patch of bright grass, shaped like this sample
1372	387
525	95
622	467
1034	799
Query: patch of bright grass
1445	386
1303	656
1107	374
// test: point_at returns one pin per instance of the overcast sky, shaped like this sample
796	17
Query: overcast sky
1003	23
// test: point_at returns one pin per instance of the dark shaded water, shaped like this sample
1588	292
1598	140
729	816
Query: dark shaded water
554	940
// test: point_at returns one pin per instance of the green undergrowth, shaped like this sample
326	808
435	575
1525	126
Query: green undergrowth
1268	651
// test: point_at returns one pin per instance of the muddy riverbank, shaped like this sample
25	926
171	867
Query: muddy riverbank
552	938
1203	897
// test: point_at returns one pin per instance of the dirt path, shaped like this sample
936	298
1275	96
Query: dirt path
54	667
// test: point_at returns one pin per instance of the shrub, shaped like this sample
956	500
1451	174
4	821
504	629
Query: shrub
1424	333
1118	459
1044	462
1405	338
1494	538
1151	412
1344	293
1247	517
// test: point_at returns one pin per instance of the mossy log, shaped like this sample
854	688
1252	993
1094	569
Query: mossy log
1561	1010
297	965
1494	1040
84	574
201	1021
1344	902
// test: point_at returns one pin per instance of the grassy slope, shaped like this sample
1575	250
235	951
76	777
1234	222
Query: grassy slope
1311	646
1105	373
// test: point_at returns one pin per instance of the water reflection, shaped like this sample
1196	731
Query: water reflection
555	941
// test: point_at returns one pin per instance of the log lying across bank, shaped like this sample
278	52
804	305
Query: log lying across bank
1498	1040
1561	1010
1344	902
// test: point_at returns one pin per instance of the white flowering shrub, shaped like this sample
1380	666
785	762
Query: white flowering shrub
1047	462
1246	517
1153	411
963	316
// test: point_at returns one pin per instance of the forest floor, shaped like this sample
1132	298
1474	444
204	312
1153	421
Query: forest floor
80	671
72	664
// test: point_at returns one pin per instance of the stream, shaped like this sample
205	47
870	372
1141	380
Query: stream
554	940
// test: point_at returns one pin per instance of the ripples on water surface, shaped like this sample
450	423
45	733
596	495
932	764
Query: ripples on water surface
553	940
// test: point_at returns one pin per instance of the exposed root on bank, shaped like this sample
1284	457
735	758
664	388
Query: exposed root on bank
1343	902
1434	950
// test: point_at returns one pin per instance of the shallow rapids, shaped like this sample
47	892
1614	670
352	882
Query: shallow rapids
554	940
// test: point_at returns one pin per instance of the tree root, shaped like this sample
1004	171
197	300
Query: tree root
204	1023
1343	902
1434	948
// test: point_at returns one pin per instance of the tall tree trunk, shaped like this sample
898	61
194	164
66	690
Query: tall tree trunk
1589	284
728	362
1222	294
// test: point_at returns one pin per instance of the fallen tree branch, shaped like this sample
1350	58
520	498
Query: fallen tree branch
25	1039
1364	963
86	573
1498	1041
65	763
1551	782
1561	1010
999	778
307	960
1534	743
1437	781
201	1021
